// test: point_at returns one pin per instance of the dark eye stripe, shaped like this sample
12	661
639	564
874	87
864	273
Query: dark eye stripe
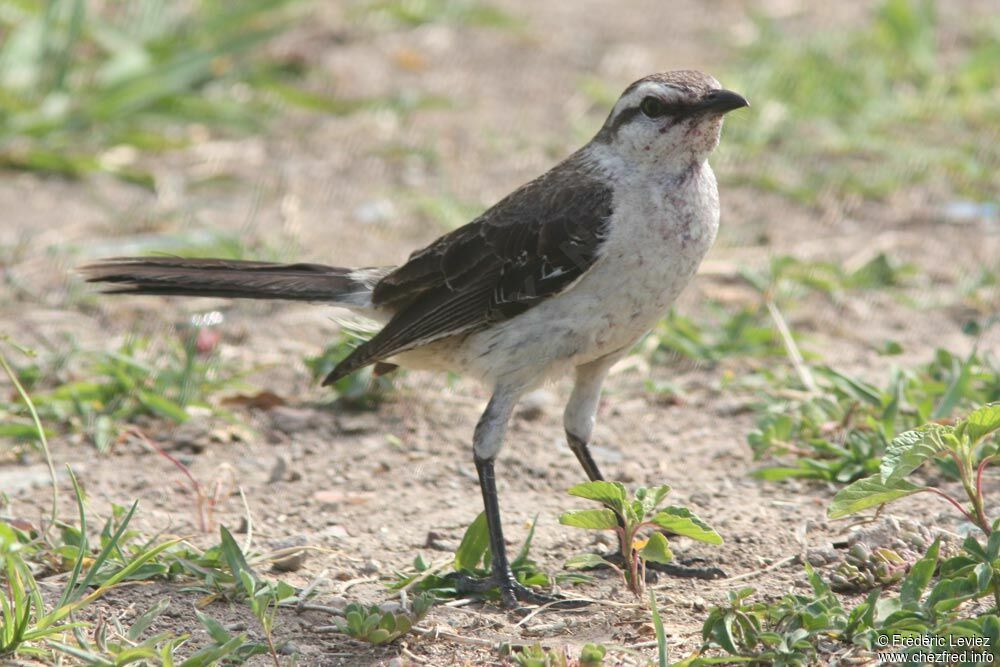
675	110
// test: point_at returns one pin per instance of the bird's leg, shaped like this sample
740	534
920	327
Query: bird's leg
579	420
487	442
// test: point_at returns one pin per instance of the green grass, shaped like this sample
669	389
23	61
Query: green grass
413	13
107	390
80	81
840	432
35	625
870	111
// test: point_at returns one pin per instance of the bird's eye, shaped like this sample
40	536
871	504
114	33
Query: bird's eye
653	107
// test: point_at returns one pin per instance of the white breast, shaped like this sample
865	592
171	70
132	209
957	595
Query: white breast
658	236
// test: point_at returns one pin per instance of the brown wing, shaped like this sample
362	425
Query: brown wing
531	245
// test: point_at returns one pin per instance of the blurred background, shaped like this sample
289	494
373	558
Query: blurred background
860	220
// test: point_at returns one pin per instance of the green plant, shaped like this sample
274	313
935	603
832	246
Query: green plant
263	596
536	655
138	379
373	625
809	629
970	445
838	432
628	518
363	390
841	111
472	562
419	12
744	333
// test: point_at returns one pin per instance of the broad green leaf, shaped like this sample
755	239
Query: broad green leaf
869	492
917	580
603	519
682	521
611	494
651	498
909	450
657	549
949	593
475	544
982	422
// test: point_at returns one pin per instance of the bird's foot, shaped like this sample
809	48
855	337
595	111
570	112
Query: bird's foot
653	570
513	594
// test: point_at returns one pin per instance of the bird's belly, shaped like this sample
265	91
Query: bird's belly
609	309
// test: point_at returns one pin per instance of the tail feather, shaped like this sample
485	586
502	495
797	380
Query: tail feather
178	276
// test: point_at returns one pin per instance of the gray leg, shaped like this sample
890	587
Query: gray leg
581	410
487	443
579	421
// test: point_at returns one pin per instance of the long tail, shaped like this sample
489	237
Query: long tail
178	276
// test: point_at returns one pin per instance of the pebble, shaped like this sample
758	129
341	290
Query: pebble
438	542
819	556
371	566
291	420
534	405
290	563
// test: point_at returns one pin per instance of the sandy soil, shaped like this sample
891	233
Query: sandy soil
369	488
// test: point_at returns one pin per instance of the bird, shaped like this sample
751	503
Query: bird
562	276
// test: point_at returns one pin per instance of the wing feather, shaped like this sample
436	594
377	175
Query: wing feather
530	246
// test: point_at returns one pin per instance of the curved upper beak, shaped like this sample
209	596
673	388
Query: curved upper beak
721	101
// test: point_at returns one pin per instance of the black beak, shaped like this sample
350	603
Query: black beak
721	101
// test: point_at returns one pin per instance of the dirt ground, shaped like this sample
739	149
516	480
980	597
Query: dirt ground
371	490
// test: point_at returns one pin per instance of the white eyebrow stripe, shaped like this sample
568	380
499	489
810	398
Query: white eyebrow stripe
664	91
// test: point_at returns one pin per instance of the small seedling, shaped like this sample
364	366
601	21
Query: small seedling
376	626
591	655
629	518
264	596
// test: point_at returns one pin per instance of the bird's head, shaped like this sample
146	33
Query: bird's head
668	121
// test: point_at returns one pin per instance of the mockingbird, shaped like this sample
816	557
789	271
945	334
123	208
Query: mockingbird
564	274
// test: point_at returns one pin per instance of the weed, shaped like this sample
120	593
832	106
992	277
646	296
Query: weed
629	518
591	655
82	86
744	333
472	561
848	113
970	446
839	432
420	12
363	390
377	626
135	380
802	629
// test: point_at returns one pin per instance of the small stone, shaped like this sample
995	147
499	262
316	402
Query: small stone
291	420
819	556
293	561
278	470
337	602
438	541
371	566
534	405
288	648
